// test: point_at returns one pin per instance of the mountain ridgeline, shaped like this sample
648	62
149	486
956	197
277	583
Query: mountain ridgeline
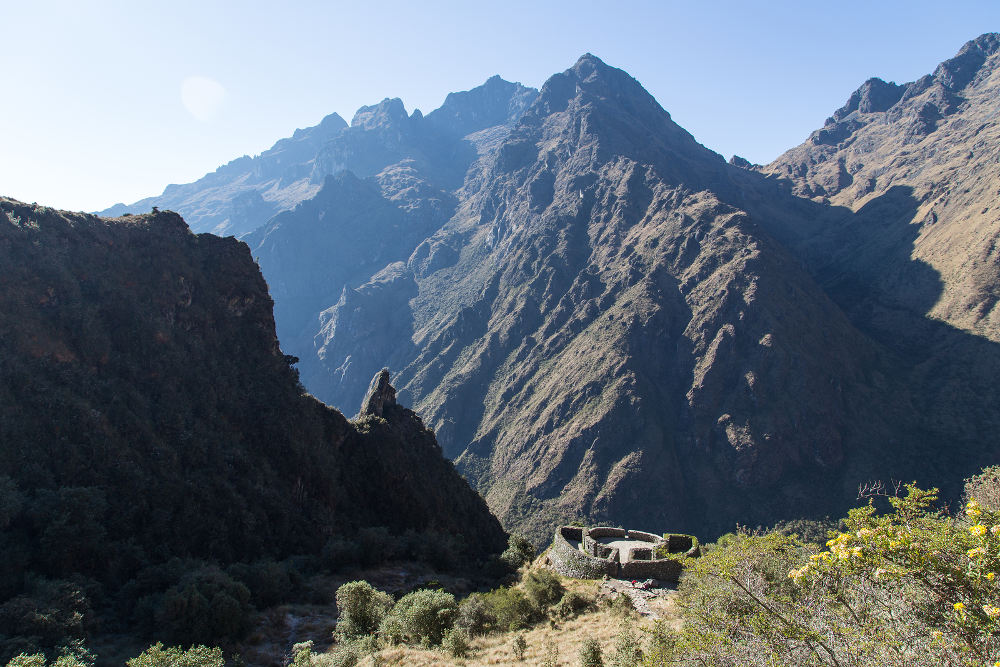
599	317
152	430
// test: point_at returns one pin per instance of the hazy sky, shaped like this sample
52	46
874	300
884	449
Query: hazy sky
111	101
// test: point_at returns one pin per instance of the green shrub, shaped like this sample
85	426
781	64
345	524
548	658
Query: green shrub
476	615
361	609
50	615
627	652
519	646
543	589
519	551
38	660
590	654
512	608
205	606
270	582
378	545
420	617
909	586
340	552
621	605
345	654
571	604
196	656
456	642
808	530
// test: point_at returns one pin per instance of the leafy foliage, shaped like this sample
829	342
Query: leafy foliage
362	609
590	654
912	585
518	646
196	656
543	589
420	617
456	642
476	615
519	551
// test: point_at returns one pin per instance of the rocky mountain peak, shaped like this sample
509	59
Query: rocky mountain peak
496	102
387	112
591	79
956	73
873	95
330	124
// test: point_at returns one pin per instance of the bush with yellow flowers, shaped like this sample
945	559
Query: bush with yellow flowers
911	585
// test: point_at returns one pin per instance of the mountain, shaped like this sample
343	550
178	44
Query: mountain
601	318
905	238
597	328
938	138
148	418
242	195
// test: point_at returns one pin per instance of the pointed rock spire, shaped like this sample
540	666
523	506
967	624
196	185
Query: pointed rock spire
380	394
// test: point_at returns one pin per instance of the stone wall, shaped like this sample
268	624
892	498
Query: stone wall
644	537
606	531
571	562
593	560
666	569
678	543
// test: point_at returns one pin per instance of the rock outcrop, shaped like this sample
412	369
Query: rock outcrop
380	395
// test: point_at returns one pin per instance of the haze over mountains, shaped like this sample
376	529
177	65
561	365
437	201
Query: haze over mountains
599	317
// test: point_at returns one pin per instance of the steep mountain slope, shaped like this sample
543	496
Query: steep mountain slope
939	138
147	413
396	181
596	332
907	245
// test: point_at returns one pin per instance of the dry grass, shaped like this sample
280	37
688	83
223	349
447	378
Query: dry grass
497	649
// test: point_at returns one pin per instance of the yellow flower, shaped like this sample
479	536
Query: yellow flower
991	576
978	530
978	551
959	607
991	611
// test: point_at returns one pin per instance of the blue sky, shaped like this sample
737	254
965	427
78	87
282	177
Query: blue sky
111	101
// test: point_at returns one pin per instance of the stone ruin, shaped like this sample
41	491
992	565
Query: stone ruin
580	553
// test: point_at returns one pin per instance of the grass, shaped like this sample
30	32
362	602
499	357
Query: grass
601	624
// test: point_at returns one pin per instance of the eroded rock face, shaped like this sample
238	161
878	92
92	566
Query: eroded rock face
380	395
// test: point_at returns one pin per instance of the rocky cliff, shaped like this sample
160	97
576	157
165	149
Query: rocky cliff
148	414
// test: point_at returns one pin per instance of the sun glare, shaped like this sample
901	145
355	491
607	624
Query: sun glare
202	97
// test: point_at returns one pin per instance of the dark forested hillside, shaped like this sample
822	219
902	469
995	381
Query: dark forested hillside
147	415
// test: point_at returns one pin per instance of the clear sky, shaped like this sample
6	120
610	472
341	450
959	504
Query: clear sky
107	101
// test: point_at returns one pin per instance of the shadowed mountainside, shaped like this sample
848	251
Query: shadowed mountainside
147	414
